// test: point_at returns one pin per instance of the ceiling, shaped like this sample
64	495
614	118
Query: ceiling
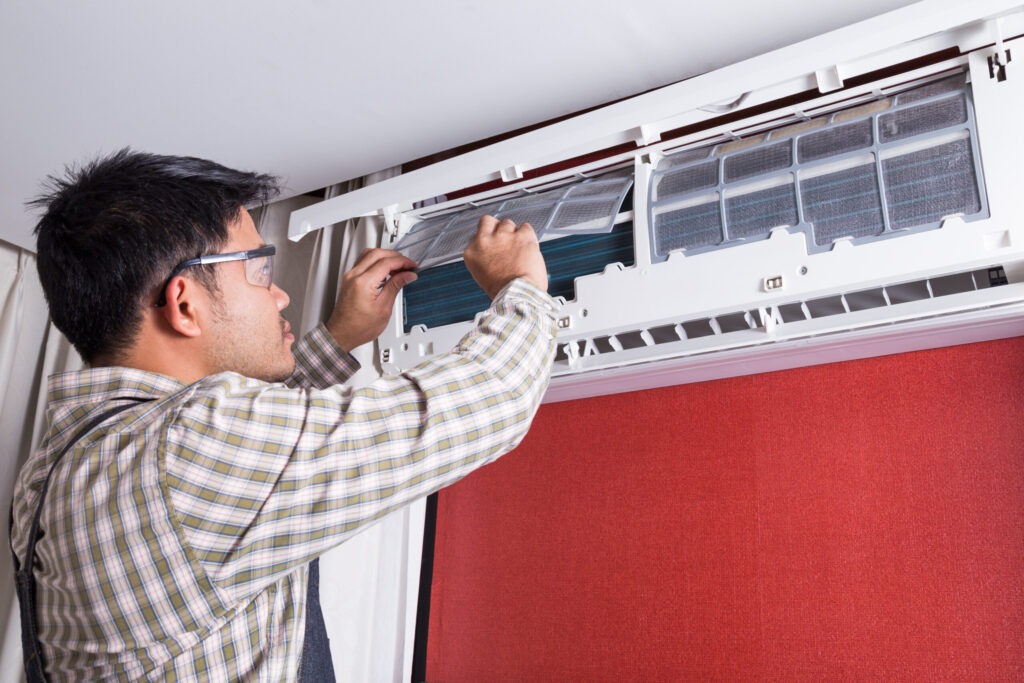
320	92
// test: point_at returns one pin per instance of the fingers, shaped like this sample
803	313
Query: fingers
385	277
370	257
379	264
487	224
367	296
502	251
490	224
528	232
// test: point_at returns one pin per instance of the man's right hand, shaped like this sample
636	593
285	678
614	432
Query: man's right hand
367	296
501	251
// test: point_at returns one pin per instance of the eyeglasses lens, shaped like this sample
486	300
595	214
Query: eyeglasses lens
259	271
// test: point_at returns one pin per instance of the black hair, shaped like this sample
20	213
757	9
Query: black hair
114	228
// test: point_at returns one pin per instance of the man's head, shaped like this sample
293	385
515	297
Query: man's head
240	328
114	229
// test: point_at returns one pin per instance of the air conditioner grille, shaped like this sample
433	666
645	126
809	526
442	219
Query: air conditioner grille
689	179
905	123
924	186
690	227
835	141
759	161
584	216
903	163
844	203
758	212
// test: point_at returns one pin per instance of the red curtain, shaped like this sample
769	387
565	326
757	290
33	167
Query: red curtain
855	521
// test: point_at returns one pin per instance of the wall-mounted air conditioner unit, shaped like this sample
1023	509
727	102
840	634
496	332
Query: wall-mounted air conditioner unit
852	195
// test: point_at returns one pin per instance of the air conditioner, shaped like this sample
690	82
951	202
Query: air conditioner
853	195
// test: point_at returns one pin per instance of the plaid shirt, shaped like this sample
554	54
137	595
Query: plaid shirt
176	535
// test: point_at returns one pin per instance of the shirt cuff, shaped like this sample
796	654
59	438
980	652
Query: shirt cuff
524	290
324	363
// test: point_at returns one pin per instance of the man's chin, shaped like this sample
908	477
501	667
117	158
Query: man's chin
286	371
280	373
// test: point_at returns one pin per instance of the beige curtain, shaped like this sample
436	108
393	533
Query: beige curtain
369	584
30	350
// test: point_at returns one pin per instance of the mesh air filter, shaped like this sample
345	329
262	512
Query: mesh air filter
589	206
902	163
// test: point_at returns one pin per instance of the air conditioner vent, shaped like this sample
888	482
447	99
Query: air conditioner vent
732	322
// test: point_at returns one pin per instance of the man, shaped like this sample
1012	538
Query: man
175	535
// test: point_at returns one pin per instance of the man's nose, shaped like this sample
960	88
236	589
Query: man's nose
280	296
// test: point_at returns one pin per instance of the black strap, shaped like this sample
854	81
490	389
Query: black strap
316	664
25	583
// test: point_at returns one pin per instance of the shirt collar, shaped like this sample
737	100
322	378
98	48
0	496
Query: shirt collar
96	384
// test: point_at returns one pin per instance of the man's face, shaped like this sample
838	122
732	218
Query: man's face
249	336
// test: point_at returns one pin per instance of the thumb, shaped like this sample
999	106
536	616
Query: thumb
402	278
396	282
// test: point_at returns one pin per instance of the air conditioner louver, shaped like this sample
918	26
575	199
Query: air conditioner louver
724	324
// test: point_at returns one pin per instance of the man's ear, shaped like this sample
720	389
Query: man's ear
185	302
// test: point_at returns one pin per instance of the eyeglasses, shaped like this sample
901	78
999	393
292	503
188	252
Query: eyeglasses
259	267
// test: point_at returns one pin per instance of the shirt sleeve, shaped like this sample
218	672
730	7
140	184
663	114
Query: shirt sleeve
320	362
265	477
